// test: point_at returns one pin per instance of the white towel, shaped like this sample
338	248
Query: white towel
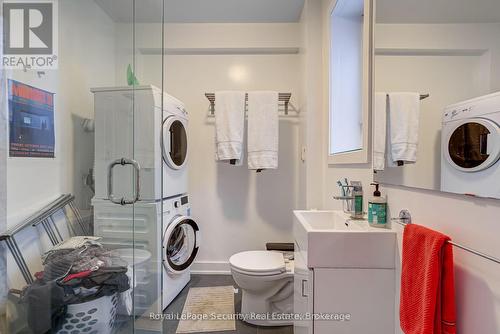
379	130
404	118
263	130
229	125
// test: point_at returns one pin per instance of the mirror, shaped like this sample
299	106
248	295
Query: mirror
437	84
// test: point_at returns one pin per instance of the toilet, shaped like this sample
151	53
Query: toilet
266	281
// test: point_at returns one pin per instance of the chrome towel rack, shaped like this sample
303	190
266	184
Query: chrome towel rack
422	96
282	97
405	219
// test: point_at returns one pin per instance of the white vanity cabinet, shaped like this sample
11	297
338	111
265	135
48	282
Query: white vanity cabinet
365	295
303	295
345	275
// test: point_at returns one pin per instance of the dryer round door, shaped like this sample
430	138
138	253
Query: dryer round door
473	145
180	244
174	142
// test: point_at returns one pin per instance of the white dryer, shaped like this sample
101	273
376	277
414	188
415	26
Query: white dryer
471	147
180	246
131	123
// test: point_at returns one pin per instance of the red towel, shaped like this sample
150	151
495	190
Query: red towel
427	283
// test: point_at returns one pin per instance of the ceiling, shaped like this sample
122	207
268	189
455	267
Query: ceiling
204	11
438	11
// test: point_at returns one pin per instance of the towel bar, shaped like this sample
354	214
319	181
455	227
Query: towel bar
422	96
405	219
282	97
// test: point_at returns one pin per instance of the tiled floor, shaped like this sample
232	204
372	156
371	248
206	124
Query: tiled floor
218	280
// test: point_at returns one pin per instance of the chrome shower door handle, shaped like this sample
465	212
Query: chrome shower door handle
137	169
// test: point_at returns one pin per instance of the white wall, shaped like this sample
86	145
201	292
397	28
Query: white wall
80	67
312	125
472	222
242	209
446	37
33	182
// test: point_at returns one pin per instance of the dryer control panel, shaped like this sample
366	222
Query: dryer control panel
478	107
457	113
177	206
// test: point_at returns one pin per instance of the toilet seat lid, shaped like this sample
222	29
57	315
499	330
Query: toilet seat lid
259	262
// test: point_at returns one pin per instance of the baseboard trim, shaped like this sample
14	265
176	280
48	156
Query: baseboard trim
211	268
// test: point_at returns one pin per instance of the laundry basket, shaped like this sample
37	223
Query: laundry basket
139	263
94	317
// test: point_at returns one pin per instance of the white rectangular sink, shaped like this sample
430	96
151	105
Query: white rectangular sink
330	239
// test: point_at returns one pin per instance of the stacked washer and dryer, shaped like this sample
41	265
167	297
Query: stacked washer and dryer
141	198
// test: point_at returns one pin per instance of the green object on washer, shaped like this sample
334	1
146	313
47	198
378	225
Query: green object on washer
131	78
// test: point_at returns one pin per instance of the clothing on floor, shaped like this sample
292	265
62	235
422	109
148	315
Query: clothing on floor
46	305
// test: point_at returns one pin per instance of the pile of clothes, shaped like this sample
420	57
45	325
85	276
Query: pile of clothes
75	271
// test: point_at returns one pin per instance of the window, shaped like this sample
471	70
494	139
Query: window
348	82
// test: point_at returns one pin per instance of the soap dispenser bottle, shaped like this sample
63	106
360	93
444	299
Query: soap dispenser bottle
377	209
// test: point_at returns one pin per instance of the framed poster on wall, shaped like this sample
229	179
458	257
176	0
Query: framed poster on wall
31	121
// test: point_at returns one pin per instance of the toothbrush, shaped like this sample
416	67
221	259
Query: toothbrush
347	186
341	187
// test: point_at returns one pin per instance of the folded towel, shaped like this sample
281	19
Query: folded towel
379	130
404	117
427	283
263	129
229	126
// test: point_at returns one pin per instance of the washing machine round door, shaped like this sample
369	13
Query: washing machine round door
180	244
473	145
174	142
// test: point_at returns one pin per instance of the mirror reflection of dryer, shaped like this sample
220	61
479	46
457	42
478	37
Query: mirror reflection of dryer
471	147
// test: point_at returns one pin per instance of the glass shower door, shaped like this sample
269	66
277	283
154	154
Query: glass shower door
149	210
91	144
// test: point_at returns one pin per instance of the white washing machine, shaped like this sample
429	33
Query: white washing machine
471	147
173	243
180	244
131	128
